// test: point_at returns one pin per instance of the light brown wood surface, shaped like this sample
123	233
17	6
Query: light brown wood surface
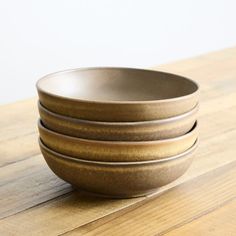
33	201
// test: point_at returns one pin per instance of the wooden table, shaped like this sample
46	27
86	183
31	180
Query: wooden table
33	201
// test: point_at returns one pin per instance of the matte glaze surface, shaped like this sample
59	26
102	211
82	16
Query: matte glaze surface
117	94
115	150
119	131
118	179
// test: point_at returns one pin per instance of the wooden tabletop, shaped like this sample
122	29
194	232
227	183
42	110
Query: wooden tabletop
33	201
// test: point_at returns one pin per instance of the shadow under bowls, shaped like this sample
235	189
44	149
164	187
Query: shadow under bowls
123	179
116	151
117	94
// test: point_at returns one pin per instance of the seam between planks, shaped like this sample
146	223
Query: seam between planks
39	204
120	212
18	161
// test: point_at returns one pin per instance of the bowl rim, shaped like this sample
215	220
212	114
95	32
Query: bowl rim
184	97
125	123
120	143
128	163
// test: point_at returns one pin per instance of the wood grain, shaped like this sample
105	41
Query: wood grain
18	119
175	207
21	174
19	149
33	170
217	223
30	192
26	184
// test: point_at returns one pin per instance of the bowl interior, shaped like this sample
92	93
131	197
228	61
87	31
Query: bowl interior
116	84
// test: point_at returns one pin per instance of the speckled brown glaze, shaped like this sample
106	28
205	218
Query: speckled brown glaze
119	131
116	150
117	94
125	179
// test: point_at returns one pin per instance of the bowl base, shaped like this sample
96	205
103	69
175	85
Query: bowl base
110	196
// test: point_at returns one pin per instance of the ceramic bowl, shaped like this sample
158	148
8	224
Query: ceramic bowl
117	94
118	179
119	131
116	150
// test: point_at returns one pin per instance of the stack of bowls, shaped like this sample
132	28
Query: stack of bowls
117	132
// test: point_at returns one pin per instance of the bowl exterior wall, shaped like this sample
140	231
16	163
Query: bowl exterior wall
118	181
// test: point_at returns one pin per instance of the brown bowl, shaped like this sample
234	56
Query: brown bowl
117	94
116	150
119	131
118	179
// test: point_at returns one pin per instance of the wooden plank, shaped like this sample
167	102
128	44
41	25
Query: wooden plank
33	170
17	176
49	215
28	183
175	207
18	149
18	119
220	222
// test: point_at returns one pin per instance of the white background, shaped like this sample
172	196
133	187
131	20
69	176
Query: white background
43	36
